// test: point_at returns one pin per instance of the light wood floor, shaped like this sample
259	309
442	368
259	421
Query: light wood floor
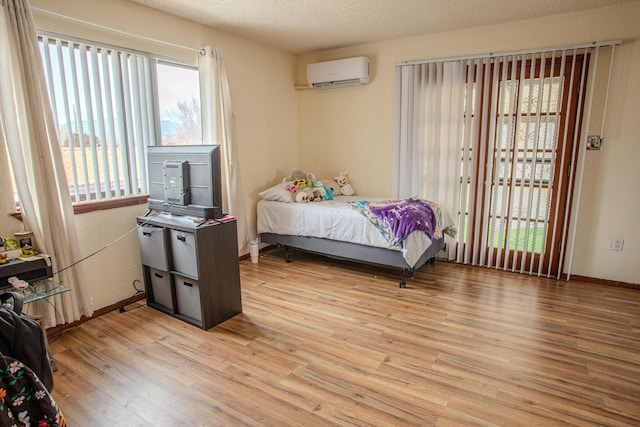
323	342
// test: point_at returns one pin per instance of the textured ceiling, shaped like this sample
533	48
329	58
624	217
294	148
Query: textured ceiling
299	26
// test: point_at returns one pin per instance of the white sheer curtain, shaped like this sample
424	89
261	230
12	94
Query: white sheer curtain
218	127
429	123
29	133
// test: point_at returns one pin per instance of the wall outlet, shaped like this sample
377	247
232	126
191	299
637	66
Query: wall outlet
617	243
594	142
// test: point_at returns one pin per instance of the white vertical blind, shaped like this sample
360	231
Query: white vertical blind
119	131
516	146
580	171
76	84
103	105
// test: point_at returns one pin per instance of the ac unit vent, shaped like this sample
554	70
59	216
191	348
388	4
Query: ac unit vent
339	83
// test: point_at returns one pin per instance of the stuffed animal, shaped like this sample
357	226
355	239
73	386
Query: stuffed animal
305	195
321	190
333	186
302	191
303	183
345	187
291	188
17	284
295	174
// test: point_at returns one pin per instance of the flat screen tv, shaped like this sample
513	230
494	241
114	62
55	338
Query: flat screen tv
185	180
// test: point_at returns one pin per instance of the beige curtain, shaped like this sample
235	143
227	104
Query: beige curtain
29	134
218	127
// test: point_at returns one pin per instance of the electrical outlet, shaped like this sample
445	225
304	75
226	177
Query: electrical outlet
617	243
594	142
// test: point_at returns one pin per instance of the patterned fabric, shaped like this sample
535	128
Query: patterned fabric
361	207
396	219
24	400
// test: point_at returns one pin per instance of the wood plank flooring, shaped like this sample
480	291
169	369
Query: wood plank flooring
322	342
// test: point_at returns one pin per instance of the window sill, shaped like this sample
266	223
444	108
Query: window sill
85	207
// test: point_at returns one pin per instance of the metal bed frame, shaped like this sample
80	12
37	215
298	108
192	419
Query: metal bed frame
354	251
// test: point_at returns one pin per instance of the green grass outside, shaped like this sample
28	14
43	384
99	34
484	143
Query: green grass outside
537	233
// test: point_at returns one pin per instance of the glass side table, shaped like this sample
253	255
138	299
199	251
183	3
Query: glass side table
42	290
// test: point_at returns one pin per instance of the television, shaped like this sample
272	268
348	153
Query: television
185	180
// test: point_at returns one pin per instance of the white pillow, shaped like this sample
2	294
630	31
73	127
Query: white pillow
277	193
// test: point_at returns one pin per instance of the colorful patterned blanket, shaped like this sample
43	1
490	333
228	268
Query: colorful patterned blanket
396	219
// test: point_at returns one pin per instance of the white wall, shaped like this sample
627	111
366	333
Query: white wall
352	128
264	102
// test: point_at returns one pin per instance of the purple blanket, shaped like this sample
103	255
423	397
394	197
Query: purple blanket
404	217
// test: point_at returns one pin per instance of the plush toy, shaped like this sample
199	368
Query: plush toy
333	186
345	187
305	195
17	284
302	190
295	174
291	187
303	183
321	190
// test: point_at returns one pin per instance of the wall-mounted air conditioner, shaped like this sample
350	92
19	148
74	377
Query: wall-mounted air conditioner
339	73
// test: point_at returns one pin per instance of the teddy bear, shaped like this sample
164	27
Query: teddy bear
295	174
345	187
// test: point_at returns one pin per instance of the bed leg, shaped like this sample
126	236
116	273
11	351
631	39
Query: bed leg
287	254
412	275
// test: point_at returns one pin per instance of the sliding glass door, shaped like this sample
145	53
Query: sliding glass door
521	142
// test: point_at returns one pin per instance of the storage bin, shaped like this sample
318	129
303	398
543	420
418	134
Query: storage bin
153	247
183	251
161	287
188	297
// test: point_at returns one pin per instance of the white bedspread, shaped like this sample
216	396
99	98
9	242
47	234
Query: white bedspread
335	220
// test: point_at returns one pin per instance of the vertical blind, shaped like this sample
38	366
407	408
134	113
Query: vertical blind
103	105
499	141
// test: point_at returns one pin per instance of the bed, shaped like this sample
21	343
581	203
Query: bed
340	228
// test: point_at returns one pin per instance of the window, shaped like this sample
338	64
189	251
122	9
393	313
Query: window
179	102
106	103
